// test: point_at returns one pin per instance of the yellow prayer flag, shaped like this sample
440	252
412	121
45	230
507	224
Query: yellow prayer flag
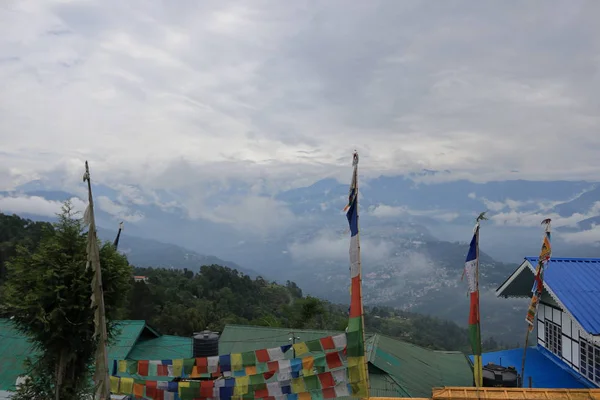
251	370
114	384
298	385
300	348
178	367
241	385
126	386
122	366
236	361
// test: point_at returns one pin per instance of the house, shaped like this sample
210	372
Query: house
135	341
396	368
568	321
140	278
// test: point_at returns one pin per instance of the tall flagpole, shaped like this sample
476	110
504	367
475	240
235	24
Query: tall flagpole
101	376
472	272
538	288
357	362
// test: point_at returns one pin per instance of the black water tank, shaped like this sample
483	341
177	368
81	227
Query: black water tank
498	376
206	344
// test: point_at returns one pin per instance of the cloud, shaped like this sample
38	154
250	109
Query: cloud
385	211
589	236
118	210
255	215
331	246
163	94
532	219
37	205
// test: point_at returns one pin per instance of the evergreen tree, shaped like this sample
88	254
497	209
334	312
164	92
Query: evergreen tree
47	294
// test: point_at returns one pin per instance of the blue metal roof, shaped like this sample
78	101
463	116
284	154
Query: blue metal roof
545	370
576	283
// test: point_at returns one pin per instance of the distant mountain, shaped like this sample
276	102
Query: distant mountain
152	253
414	233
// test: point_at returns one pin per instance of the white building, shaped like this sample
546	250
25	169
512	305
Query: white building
568	318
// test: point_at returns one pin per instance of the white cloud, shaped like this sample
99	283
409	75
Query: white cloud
331	246
118	210
138	87
589	236
37	205
256	215
516	218
385	211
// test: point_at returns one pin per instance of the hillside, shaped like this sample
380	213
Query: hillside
183	301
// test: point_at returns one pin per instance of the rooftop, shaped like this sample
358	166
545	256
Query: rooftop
134	341
574	283
396	368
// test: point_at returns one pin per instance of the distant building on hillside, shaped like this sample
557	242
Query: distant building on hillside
567	352
140	278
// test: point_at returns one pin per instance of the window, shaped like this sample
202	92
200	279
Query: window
589	361
553	338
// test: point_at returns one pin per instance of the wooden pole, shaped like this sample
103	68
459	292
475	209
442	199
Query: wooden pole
99	296
524	357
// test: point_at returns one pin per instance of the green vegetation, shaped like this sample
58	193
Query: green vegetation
47	294
181	302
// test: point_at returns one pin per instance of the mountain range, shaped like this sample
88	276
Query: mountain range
414	234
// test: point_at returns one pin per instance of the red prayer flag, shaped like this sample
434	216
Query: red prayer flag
202	364
326	380
327	343
333	360
151	389
143	367
273	365
206	388
261	393
162	370
262	355
268	375
329	393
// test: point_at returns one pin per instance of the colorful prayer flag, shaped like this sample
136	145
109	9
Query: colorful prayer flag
472	272
355	334
538	283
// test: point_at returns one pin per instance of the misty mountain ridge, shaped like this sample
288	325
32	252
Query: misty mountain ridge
414	235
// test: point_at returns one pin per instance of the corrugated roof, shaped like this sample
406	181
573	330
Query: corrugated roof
396	368
162	348
135	340
240	338
415	369
576	283
545	372
14	348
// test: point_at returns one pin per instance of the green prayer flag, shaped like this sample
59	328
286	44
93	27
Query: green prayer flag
314	346
248	359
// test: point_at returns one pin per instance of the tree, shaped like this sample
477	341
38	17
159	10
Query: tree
48	295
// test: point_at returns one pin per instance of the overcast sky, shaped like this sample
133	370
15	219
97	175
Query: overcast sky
168	93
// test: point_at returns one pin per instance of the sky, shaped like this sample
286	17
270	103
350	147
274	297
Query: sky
168	94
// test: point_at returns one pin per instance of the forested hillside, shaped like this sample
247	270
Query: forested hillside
181	302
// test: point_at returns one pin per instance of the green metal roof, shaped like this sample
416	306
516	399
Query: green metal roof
134	340
14	348
396	369
240	338
161	348
417	370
